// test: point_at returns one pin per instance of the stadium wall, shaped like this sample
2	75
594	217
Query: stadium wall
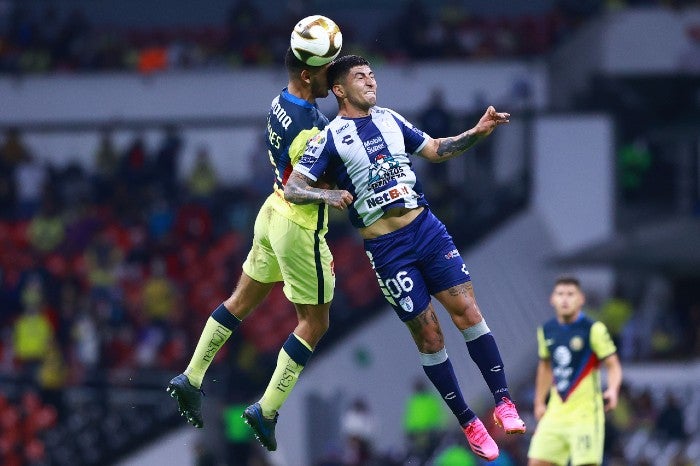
61	116
621	43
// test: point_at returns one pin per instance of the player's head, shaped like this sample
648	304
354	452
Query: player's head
567	280
352	81
567	298
310	81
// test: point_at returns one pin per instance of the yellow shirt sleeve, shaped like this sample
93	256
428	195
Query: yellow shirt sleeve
305	215
542	350
601	342
298	145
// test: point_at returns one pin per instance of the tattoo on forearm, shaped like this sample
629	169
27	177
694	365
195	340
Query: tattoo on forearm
298	190
449	147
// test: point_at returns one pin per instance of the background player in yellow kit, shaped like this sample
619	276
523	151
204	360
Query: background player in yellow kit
571	348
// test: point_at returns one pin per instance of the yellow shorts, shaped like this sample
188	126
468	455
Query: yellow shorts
561	442
285	251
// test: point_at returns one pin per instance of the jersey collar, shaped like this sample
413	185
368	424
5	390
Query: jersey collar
296	100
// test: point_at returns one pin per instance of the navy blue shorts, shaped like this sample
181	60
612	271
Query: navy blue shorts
415	262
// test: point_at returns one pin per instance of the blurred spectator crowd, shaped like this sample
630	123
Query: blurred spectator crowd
107	276
652	425
58	39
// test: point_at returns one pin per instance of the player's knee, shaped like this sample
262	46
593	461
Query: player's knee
321	326
430	343
316	324
471	313
467	318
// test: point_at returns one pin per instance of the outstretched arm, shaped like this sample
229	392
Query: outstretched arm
298	190
441	149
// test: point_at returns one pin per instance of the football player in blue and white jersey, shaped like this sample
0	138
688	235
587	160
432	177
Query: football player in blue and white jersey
367	151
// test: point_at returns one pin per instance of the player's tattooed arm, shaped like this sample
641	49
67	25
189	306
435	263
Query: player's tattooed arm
439	150
299	190
455	145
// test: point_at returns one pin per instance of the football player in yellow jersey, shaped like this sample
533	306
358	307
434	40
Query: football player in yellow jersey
289	245
571	347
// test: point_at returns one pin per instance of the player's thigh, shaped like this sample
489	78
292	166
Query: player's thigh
587	440
549	443
305	262
261	263
443	268
399	278
437	256
449	281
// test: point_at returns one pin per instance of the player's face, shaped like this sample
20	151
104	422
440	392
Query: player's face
567	300
361	87
319	81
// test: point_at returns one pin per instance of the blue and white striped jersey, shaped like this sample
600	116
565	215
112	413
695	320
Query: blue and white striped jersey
369	157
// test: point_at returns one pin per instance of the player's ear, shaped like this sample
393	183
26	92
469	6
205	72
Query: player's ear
338	90
305	76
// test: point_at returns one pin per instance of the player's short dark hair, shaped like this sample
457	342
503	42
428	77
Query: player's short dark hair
340	67
294	65
567	280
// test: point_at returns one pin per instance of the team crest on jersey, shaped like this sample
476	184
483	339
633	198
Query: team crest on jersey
406	304
384	169
318	139
452	254
576	343
562	356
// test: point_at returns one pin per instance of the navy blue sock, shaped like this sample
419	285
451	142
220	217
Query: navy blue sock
439	370
296	350
225	318
484	352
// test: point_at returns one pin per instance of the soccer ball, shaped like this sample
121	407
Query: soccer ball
316	40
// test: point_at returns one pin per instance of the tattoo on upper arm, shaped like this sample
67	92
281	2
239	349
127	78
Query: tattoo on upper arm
297	178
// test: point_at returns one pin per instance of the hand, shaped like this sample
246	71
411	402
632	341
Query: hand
489	121
539	410
610	399
337	198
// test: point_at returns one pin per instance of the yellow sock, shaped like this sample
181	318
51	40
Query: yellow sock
212	338
283	380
